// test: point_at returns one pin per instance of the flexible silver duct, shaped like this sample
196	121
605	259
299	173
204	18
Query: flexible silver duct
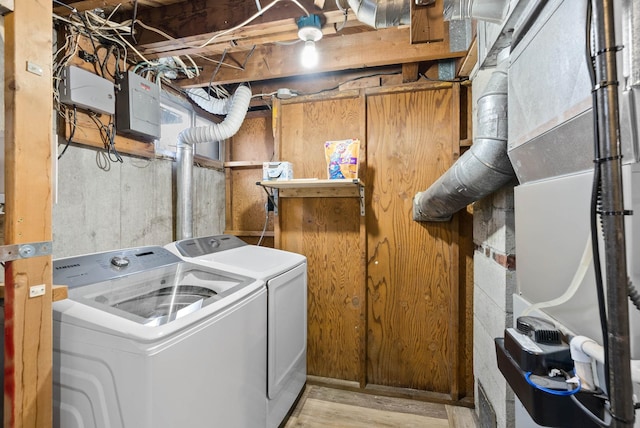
382	13
482	170
237	108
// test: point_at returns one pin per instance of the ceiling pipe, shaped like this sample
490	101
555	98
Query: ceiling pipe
382	13
236	109
482	170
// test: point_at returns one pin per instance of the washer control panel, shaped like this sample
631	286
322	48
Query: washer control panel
92	268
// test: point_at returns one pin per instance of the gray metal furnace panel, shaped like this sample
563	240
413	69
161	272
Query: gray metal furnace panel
548	76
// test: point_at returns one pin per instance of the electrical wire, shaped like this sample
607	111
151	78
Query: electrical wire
108	135
460	80
249	20
391	73
71	133
595	199
73	9
564	393
266	222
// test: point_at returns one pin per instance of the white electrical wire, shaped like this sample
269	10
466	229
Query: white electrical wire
247	21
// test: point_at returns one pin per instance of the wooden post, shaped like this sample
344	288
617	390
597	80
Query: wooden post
28	147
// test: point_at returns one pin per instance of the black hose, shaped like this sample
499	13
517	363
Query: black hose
634	295
596	200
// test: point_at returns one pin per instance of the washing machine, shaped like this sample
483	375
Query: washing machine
285	275
145	340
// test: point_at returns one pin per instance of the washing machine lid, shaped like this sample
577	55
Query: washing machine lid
149	286
229	252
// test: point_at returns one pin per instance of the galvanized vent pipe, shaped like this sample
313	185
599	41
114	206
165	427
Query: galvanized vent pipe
482	170
382	13
236	108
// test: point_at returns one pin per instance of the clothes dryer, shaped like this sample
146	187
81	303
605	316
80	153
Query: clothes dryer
285	275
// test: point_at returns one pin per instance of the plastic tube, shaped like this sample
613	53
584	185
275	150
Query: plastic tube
237	110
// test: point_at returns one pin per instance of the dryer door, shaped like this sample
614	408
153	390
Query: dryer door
287	328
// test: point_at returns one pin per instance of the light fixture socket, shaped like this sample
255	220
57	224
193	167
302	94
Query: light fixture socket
309	28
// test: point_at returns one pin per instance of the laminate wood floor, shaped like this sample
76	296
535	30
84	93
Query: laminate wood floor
322	407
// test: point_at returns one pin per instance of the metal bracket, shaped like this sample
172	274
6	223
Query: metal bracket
275	201
361	200
9	253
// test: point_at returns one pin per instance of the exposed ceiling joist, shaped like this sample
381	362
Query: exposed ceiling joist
244	38
336	53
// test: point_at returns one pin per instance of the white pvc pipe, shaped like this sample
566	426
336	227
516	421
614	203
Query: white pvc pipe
237	108
584	350
582	360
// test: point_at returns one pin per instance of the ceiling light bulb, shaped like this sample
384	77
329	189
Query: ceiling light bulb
309	57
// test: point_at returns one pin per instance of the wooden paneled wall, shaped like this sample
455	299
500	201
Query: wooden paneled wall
329	232
389	299
245	153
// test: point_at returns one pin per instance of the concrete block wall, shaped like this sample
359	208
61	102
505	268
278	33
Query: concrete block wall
494	284
130	205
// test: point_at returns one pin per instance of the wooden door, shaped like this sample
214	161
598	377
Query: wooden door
413	268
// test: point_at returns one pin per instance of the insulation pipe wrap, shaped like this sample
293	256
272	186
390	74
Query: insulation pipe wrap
382	13
236	108
482	170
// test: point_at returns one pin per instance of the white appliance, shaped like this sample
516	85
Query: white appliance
147	340
285	275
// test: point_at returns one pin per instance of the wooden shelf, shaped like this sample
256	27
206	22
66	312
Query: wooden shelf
317	188
249	233
243	164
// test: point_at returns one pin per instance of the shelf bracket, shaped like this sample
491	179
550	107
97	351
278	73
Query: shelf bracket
361	188
276	202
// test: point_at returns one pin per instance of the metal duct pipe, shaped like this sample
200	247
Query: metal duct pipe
482	170
612	213
237	108
184	191
382	13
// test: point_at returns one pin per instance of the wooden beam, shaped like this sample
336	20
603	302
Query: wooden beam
410	72
427	24
469	61
243	39
190	18
336	53
28	157
82	5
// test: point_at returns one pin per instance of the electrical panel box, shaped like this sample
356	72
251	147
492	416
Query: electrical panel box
86	90
138	110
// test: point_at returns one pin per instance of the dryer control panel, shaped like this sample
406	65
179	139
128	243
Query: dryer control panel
198	247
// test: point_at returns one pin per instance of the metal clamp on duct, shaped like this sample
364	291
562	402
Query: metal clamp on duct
480	171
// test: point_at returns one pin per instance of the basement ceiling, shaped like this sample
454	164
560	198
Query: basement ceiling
216	35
